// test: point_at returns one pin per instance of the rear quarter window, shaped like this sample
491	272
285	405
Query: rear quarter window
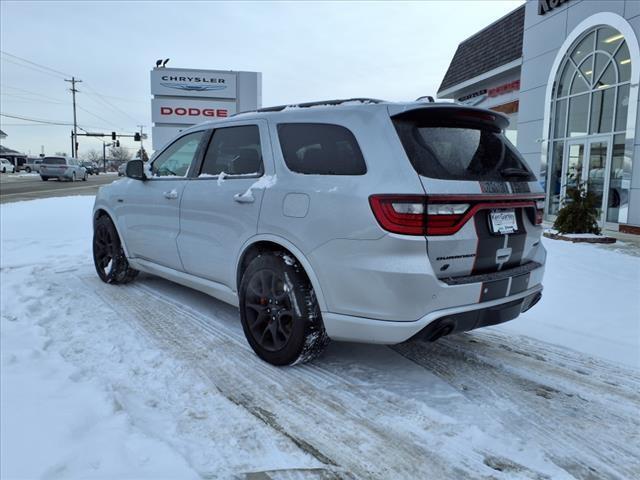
320	149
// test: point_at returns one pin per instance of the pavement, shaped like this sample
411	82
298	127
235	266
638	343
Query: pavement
22	186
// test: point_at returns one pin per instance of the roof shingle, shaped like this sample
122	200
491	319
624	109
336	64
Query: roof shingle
492	47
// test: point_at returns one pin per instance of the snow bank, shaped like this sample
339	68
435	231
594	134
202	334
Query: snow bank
590	302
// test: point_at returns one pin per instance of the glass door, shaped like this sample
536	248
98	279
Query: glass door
587	163
573	168
595	171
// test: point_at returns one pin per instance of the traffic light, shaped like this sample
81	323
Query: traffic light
113	135
117	143
136	137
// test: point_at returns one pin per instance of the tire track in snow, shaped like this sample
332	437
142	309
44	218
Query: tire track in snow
352	431
582	412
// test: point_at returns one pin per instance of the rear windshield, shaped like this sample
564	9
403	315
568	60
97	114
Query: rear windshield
54	161
465	152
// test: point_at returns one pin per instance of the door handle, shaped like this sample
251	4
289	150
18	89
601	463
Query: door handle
171	194
244	197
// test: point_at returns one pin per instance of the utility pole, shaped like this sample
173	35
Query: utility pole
74	150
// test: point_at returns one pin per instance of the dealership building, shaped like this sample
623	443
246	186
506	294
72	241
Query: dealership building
566	73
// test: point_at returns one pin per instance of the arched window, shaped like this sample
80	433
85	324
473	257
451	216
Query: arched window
590	97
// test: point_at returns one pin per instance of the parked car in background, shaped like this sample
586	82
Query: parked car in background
32	165
92	168
122	169
62	168
6	166
354	220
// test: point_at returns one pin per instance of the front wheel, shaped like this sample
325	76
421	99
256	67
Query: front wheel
44	179
4	169
28	169
84	179
73	177
279	311
109	259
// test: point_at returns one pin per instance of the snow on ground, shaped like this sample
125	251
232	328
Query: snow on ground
590	302
153	380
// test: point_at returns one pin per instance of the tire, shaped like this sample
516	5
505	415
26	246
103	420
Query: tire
27	170
4	169
44	179
84	179
279	311
108	256
73	176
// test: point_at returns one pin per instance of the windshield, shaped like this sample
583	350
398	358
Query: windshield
466	152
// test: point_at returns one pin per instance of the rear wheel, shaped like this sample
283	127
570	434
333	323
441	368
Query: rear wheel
84	179
279	311
108	256
44	179
4	169
73	177
28	169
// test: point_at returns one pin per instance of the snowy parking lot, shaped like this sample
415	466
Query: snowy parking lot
153	380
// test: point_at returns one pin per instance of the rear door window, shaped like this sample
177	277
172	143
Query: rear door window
448	151
234	151
320	149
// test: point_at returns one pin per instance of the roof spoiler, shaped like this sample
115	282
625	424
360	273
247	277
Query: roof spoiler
422	110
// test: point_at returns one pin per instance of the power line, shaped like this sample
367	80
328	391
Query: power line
30	92
35	64
32	68
103	99
36	120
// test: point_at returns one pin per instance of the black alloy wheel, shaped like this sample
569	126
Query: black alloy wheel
108	256
279	311
268	310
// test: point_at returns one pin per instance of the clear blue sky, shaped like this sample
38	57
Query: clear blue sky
305	50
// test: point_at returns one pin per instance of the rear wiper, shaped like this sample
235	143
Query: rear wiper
514	172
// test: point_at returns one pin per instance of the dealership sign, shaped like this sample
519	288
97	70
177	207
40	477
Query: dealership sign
478	96
184	97
166	110
545	6
193	83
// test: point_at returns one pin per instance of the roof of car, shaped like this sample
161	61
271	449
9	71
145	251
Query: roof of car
330	106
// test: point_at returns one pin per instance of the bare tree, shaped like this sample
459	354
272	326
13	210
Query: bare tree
119	154
93	156
142	154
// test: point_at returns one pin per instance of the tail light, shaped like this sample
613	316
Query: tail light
400	213
443	214
539	211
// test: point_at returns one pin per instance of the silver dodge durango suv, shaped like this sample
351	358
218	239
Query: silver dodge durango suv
357	220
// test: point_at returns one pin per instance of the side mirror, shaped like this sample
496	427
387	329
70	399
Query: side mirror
135	170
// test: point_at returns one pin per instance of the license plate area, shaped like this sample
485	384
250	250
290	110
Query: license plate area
503	221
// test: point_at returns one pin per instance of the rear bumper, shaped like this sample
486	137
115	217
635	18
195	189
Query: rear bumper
433	325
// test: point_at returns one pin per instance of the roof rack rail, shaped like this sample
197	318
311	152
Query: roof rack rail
279	108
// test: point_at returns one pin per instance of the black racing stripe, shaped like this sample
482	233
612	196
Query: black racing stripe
488	245
519	283
516	242
520	187
493	187
494	290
